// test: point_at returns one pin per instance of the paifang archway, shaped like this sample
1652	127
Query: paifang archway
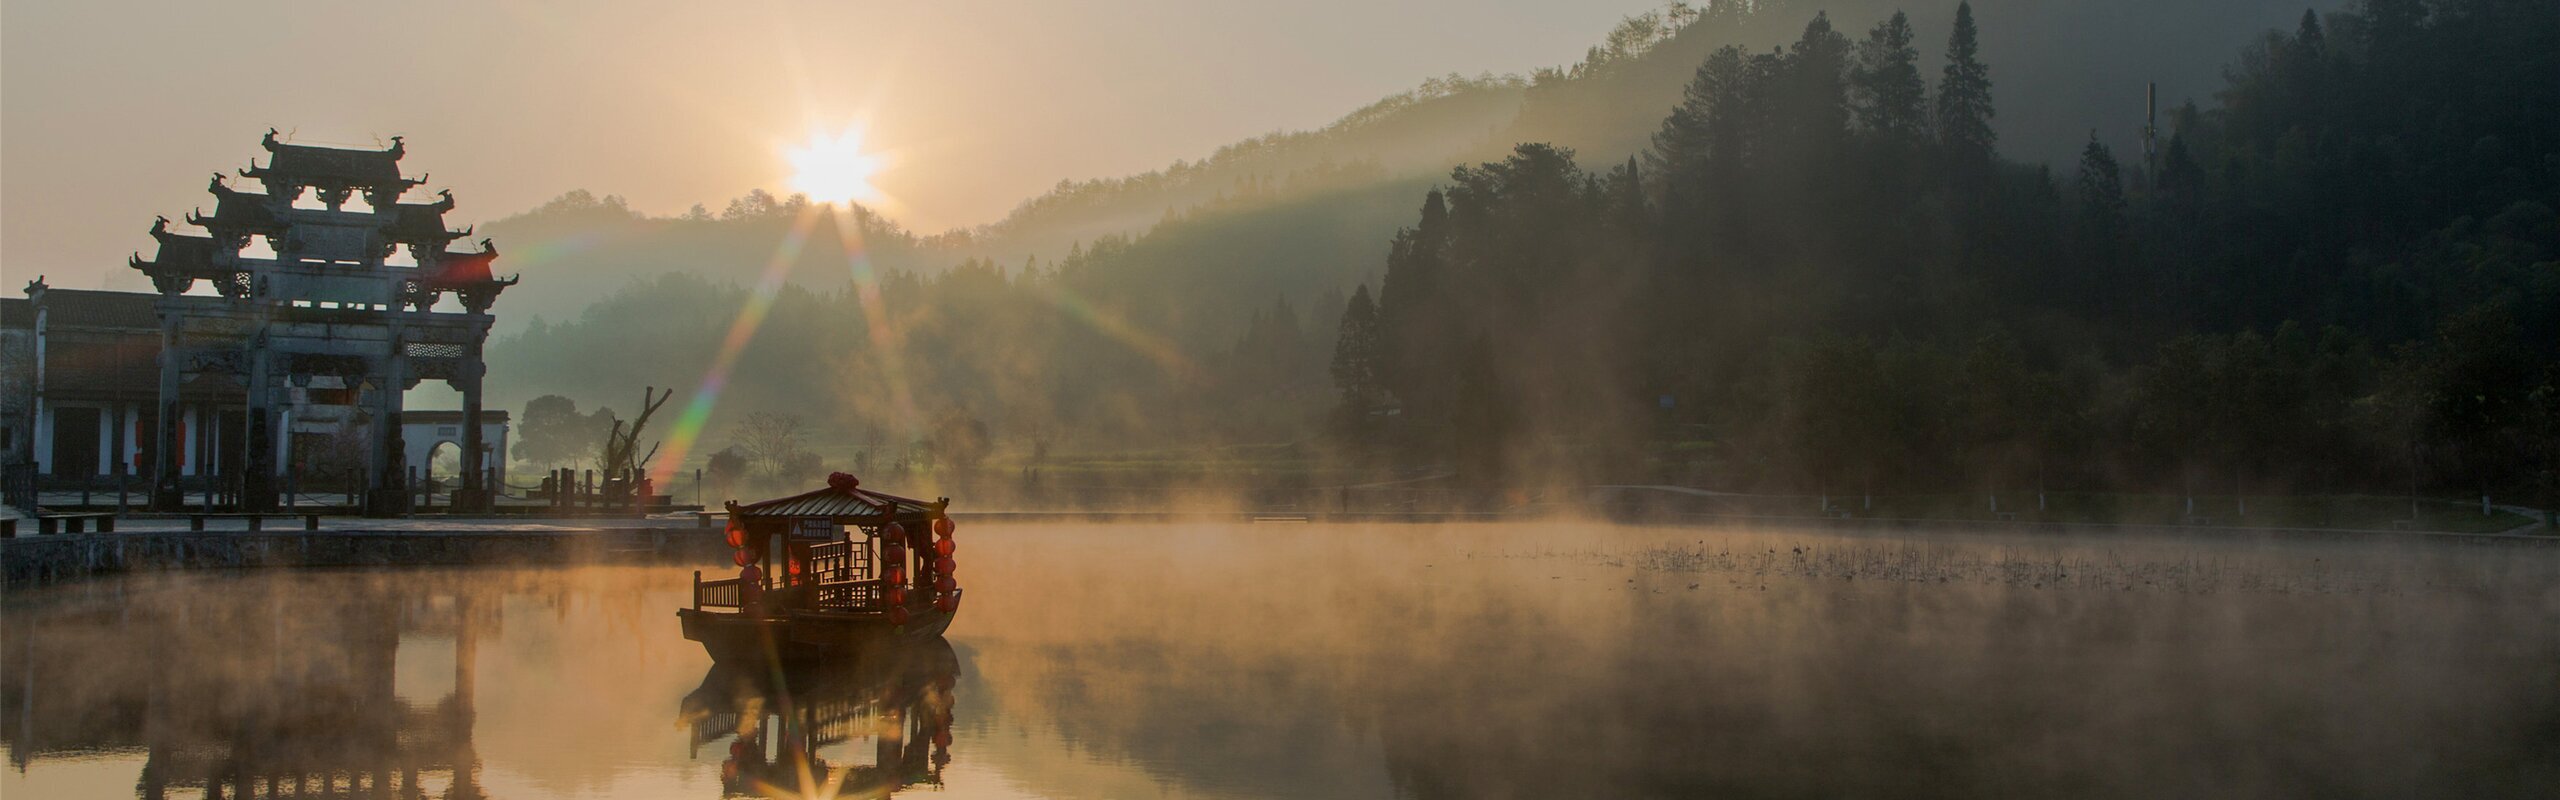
325	310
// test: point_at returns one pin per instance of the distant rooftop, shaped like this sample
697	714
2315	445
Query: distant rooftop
90	308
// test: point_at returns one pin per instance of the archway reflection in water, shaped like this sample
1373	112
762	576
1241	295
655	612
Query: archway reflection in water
1240	661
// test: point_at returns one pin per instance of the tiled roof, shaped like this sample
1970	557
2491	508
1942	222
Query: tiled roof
835	503
86	308
368	167
419	222
244	211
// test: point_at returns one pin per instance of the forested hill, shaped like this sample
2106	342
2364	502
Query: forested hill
1826	269
2344	274
2075	65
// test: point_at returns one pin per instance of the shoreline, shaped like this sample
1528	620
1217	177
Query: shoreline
32	561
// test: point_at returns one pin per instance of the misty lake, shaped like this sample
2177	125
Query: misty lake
1460	661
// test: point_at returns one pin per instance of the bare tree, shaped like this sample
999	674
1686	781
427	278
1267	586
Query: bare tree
622	442
772	442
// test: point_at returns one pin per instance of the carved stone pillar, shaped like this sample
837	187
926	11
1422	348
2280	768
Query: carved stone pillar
166	446
258	461
388	494
474	495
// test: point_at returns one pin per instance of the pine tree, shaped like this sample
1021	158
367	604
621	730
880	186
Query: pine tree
2102	221
1891	99
1818	98
1702	129
1964	94
1407	342
2101	183
1355	352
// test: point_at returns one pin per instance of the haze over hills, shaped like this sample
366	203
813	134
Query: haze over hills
2067	67
1819	265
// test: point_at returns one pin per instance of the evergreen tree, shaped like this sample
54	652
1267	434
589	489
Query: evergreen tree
1355	353
2101	224
1407	299
1964	94
2101	192
1817	100
1891	99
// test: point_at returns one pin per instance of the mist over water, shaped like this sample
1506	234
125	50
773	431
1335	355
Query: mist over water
1509	660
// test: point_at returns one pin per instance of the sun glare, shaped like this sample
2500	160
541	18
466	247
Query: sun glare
834	169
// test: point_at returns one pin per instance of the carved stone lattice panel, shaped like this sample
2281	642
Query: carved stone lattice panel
237	285
224	362
432	350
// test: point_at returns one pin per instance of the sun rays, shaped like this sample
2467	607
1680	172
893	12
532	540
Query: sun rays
835	169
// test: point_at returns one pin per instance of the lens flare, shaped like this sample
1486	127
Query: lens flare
890	374
742	331
834	169
1158	349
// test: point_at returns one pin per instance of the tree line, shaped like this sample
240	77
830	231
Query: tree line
1823	276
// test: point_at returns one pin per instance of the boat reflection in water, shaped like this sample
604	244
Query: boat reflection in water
861	727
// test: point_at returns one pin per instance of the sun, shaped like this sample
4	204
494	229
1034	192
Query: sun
834	169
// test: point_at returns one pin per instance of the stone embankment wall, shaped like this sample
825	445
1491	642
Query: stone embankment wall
33	561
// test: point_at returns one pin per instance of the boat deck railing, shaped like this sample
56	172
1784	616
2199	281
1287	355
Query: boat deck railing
853	596
839	577
721	593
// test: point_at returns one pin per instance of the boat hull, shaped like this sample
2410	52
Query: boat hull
800	636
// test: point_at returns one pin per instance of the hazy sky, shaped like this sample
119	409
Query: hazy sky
112	112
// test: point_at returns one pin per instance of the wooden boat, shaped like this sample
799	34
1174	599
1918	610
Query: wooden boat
827	572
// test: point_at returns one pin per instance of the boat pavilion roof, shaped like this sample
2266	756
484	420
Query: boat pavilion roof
844	502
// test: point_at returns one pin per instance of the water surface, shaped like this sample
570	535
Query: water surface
1531	660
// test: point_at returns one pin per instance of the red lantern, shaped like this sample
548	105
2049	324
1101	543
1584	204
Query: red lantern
943	526
751	574
944	547
897	595
942	738
895	532
898	615
946	604
737	533
945	584
794	566
896	576
744	557
944	565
